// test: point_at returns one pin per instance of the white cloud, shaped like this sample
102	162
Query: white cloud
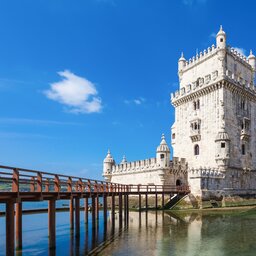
137	101
77	93
240	50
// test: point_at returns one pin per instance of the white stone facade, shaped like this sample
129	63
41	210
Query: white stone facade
214	133
153	171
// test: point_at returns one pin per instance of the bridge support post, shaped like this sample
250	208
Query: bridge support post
86	210
127	207
77	215
120	206
162	200
18	225
10	228
71	213
156	201
113	208
105	207
93	211
97	206
52	223
146	201
139	202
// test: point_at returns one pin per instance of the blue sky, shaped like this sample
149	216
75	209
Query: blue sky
79	77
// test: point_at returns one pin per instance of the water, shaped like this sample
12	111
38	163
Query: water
153	233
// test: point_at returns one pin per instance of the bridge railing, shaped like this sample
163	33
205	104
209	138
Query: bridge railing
13	179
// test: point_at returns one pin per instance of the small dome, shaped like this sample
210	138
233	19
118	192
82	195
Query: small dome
222	135
221	32
251	56
109	158
182	57
124	160
163	147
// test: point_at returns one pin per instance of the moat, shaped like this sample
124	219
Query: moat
212	232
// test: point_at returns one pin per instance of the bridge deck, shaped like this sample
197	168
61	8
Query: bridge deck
31	185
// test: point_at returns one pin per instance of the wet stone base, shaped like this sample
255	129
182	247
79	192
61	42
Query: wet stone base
191	202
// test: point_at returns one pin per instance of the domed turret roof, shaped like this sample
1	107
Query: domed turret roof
109	158
221	32
163	147
251	56
182	57
124	160
222	135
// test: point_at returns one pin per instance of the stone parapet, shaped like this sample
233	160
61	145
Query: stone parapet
206	173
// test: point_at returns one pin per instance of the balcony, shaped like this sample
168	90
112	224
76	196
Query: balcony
195	135
245	134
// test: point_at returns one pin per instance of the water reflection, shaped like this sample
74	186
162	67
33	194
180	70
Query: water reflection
143	233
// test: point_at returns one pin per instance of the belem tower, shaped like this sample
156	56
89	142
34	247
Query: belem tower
214	134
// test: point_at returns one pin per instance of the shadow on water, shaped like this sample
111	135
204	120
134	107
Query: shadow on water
144	233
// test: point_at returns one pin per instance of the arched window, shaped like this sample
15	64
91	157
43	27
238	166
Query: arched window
173	136
196	150
162	156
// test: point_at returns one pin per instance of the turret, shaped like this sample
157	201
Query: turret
221	48
108	163
221	39
252	61
181	64
124	161
163	153
222	149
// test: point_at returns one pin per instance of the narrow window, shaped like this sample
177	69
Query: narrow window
196	150
173	136
162	156
221	40
243	149
194	105
198	104
243	105
195	126
222	145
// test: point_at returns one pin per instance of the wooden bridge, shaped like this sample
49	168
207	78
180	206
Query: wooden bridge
19	185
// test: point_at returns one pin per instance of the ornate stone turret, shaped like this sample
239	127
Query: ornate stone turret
181	64
221	39
222	149
221	47
108	163
252	62
163	153
124	160
222	142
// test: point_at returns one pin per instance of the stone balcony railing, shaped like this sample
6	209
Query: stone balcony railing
245	134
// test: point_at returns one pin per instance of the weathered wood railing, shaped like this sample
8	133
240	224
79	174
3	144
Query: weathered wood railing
19	184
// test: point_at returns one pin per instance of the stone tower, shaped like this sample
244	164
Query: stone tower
215	119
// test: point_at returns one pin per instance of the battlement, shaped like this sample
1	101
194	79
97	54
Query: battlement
206	172
202	56
149	164
204	82
209	52
242	58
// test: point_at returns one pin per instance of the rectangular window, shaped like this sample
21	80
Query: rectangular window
243	149
222	144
